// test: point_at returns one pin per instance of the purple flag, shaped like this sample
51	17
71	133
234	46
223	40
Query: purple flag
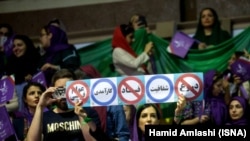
180	44
6	128
40	78
7	87
8	45
241	68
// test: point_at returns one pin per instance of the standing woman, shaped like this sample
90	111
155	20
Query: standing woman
125	60
30	98
58	53
23	62
209	31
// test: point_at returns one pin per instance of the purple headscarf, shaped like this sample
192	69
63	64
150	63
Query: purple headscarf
58	42
217	104
243	119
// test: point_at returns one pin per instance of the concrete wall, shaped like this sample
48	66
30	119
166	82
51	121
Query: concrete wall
103	17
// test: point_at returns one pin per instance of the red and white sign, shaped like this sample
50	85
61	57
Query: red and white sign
189	85
131	90
78	91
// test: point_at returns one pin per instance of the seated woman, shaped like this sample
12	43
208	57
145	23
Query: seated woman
22	63
208	30
58	52
238	111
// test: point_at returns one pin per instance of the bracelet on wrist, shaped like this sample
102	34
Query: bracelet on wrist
86	120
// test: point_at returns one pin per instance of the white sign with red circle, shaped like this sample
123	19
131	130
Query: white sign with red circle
131	90
190	85
77	91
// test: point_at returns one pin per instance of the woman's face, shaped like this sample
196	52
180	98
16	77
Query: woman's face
129	38
45	38
148	117
235	110
207	18
32	96
135	22
19	48
217	87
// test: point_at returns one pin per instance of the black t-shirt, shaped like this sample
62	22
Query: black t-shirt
65	126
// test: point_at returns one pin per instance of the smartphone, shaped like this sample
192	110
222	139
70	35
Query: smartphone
59	93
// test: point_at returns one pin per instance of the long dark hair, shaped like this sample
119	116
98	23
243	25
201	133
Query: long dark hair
216	36
138	114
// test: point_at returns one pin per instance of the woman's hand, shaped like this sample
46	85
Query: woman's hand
49	66
180	105
28	77
148	48
202	46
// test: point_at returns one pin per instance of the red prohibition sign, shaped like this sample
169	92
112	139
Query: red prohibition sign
71	87
181	80
138	96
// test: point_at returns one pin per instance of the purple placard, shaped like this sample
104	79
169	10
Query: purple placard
180	44
40	78
7	87
8	45
241	67
6	128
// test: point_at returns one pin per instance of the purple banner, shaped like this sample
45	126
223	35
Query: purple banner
180	44
8	45
40	78
7	87
6	128
241	68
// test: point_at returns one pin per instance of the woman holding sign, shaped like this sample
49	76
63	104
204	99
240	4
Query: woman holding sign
213	109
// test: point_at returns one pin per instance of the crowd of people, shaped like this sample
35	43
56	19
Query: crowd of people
37	115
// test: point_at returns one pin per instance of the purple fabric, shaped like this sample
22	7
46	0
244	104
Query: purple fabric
208	82
244	92
218	110
180	44
8	45
6	128
58	42
243	119
240	67
217	104
7	87
40	78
